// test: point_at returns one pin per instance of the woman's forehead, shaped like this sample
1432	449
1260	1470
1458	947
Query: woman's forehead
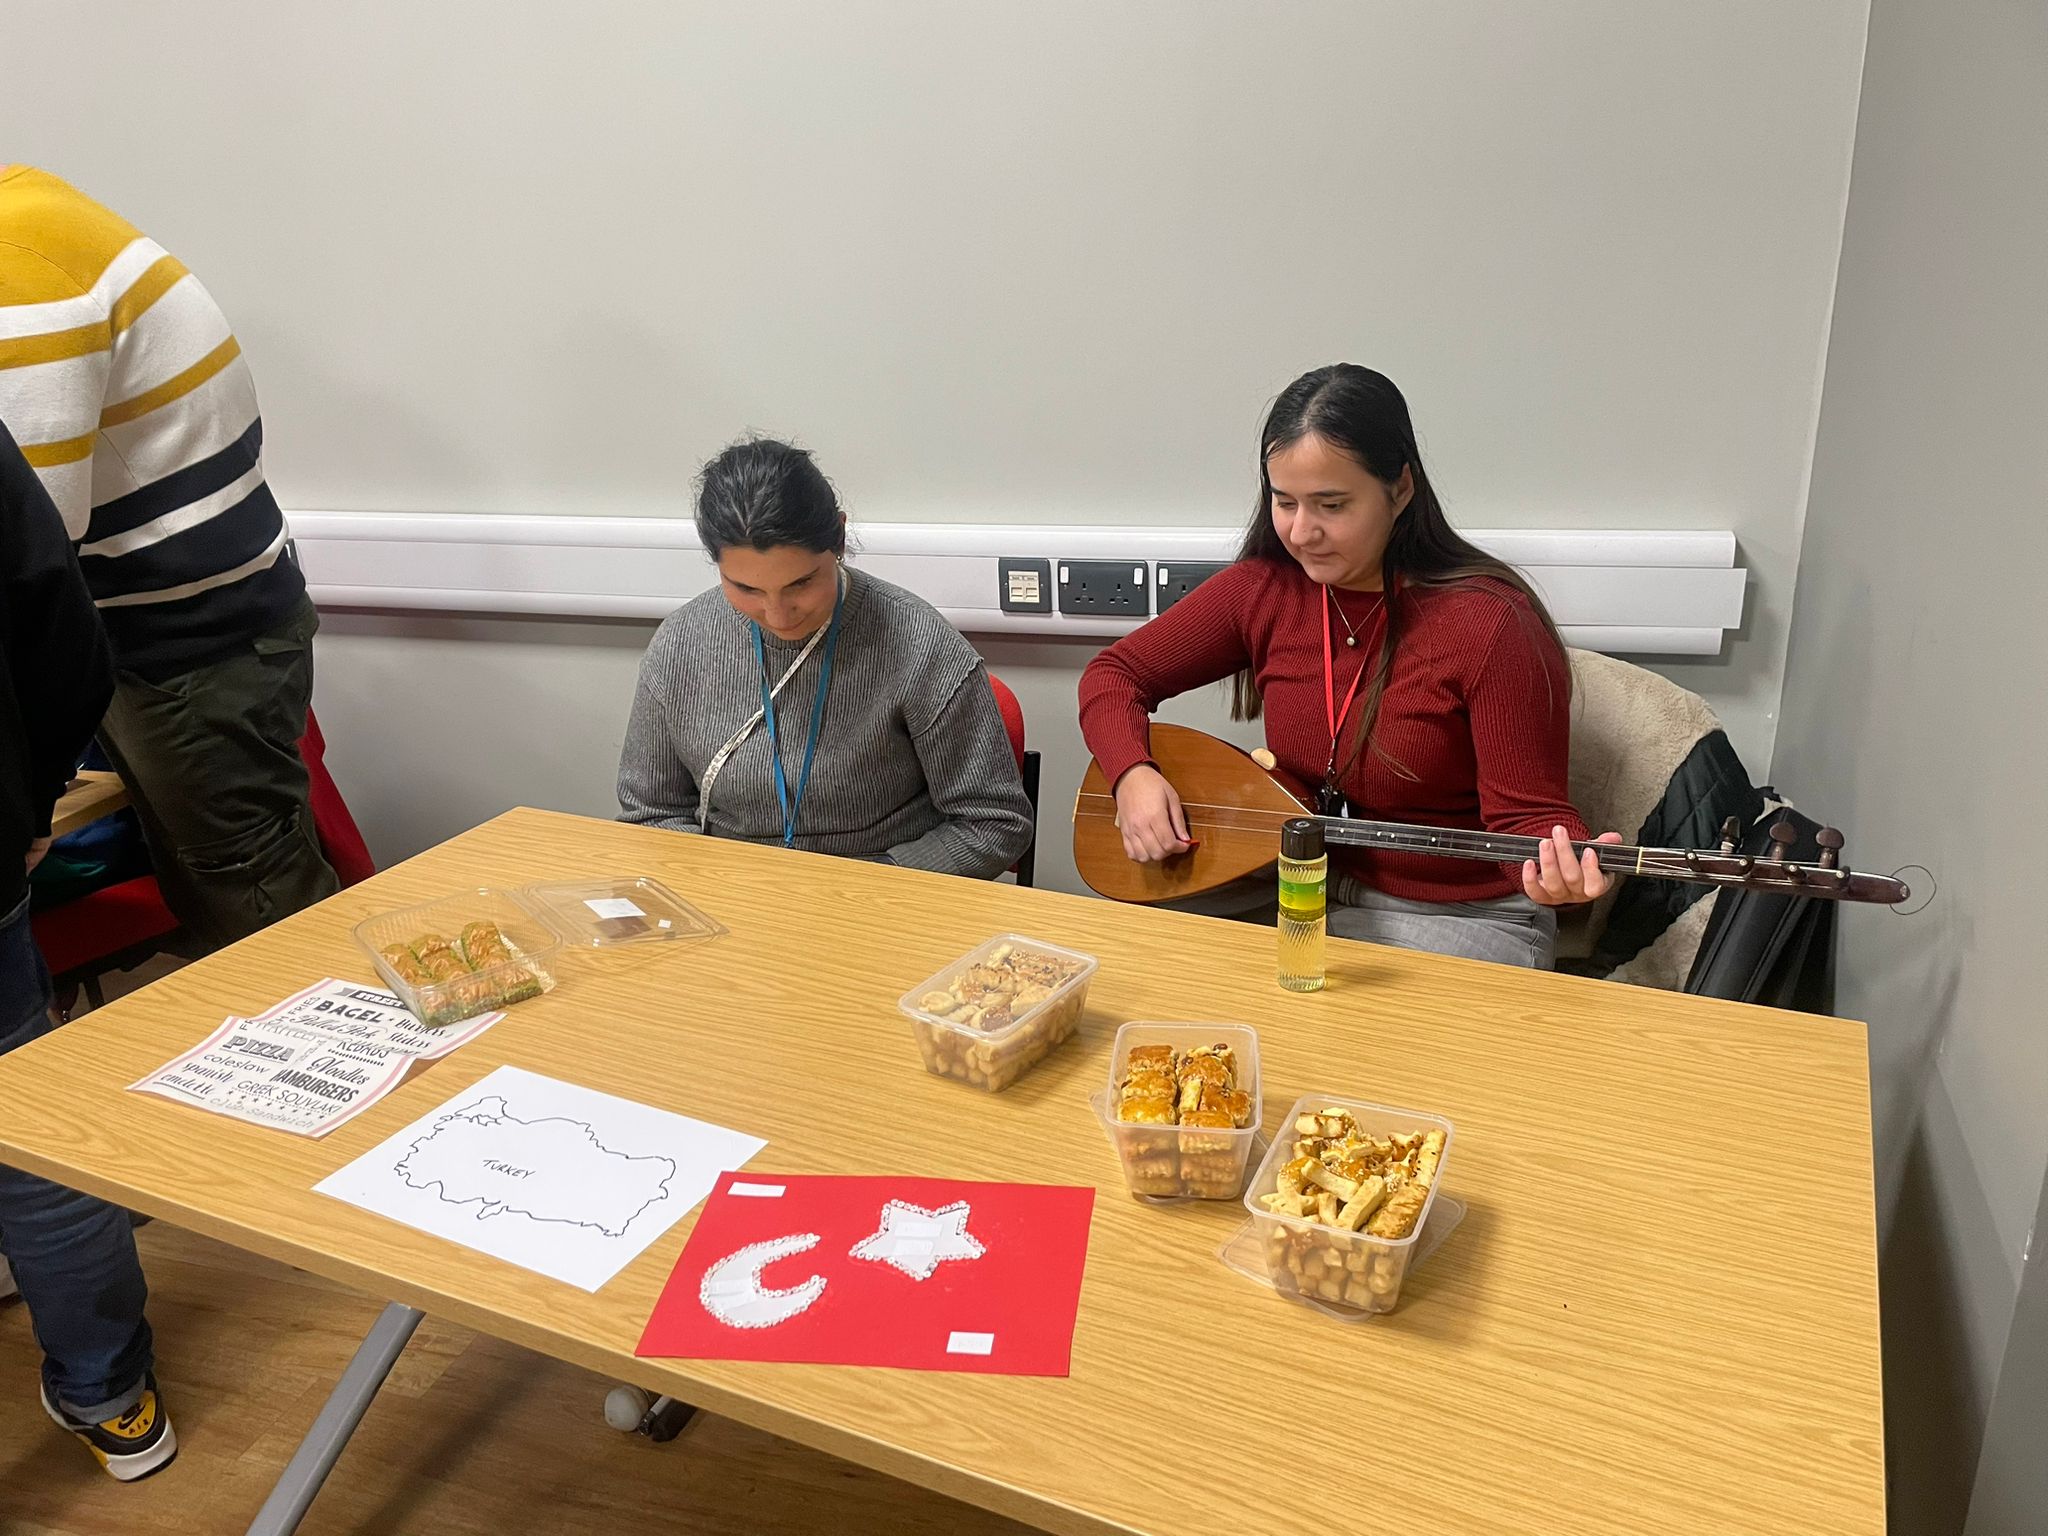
777	566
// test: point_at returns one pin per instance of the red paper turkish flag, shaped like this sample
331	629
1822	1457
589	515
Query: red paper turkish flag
926	1274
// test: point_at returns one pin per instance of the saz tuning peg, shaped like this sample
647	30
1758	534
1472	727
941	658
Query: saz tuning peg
1783	835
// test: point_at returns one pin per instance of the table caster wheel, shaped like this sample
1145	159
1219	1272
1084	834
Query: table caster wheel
625	1407
636	1411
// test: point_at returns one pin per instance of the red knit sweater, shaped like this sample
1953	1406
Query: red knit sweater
1477	708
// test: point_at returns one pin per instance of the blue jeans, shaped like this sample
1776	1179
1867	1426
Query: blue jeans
73	1255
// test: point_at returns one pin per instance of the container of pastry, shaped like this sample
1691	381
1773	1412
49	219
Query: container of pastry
491	947
1349	1264
1182	1108
999	1010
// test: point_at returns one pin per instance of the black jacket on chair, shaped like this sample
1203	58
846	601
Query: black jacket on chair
1708	786
1761	947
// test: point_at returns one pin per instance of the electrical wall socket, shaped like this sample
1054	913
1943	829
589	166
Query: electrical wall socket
1112	588
1025	585
1173	580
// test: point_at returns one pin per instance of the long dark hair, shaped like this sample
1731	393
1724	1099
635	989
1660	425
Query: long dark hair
763	493
1362	413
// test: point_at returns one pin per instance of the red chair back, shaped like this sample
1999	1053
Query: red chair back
340	839
124	923
107	922
1012	712
1013	716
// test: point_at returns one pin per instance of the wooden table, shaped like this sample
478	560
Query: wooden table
1659	1315
92	795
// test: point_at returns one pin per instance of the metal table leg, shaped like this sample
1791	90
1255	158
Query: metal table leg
344	1409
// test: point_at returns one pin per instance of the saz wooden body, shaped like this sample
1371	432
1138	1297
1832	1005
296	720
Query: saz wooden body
1234	809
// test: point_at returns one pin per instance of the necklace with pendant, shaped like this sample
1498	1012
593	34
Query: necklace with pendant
1350	634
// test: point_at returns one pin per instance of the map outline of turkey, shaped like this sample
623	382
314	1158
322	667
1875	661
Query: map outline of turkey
580	1191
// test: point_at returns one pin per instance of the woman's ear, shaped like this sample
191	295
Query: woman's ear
1404	489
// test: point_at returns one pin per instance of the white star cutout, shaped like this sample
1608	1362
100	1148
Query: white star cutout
917	1241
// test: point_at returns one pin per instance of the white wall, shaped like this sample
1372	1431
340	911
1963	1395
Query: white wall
1033	261
1912	704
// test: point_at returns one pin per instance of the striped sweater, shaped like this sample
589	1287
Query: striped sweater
125	388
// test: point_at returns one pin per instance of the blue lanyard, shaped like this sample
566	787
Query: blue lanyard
790	808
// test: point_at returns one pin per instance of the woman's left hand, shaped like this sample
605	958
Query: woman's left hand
1557	879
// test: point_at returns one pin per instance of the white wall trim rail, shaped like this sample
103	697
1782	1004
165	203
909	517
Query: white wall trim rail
1655	592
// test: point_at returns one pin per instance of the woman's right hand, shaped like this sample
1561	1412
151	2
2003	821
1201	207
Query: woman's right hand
1149	815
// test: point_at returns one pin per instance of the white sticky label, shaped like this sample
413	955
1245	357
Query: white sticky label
971	1344
614	906
757	1191
1024	587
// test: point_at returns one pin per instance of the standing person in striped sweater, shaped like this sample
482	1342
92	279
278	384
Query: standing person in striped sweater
1448	704
127	391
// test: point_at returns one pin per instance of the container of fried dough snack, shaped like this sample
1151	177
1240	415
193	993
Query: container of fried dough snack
1189	1149
487	948
1317	1260
995	1013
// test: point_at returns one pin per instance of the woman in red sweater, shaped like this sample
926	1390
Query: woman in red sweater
1448	705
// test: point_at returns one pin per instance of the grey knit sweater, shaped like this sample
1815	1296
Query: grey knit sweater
913	764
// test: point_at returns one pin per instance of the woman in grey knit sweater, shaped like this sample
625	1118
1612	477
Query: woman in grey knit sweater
882	739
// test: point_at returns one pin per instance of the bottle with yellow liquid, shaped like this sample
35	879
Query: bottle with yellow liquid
1304	903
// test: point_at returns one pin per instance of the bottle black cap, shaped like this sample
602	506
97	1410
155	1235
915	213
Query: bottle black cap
1302	839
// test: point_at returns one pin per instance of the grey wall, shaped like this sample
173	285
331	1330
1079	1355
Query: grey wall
1019	260
1912	704
2011	1497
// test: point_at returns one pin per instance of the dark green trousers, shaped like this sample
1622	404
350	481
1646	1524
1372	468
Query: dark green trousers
211	759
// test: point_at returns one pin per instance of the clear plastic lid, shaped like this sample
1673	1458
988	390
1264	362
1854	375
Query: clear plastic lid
602	914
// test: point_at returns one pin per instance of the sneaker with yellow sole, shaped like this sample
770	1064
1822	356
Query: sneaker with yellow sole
131	1446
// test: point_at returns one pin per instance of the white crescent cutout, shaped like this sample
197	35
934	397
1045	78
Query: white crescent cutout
732	1291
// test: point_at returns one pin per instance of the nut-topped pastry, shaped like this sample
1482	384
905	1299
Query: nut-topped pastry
1194	1096
1349	1186
998	1014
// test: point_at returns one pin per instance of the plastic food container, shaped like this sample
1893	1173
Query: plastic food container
1183	1162
1245	1252
536	923
1343	1270
955	1042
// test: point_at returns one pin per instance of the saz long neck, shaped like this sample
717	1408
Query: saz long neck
1706	868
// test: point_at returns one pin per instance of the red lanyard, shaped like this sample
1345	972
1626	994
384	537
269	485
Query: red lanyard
1330	710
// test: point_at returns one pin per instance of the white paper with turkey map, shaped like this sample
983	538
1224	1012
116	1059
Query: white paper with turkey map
563	1180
